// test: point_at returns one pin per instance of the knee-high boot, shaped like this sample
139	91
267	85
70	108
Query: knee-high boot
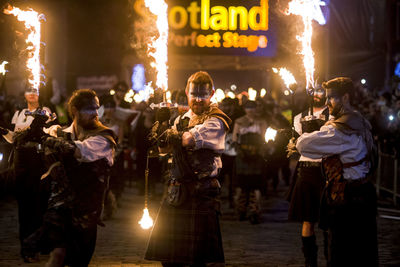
310	251
326	249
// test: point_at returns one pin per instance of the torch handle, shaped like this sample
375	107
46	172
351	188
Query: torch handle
311	94
146	180
292	115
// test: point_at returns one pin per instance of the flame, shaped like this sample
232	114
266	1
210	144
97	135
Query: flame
218	96
146	221
3	67
286	76
32	24
252	94
263	92
270	134
129	96
168	96
231	95
158	48
309	10
144	95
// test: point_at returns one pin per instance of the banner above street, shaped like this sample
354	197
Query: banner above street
220	27
234	27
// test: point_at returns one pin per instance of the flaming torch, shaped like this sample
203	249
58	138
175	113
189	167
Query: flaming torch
158	48
290	83
309	10
32	23
146	221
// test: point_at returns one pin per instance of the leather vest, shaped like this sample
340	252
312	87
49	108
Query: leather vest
313	125
88	182
198	163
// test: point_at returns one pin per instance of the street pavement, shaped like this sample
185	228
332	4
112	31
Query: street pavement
274	242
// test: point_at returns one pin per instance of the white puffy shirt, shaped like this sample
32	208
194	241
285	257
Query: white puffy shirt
329	141
209	135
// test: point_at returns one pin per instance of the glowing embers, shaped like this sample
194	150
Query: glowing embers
286	76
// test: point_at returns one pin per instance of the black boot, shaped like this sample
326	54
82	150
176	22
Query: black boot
310	251
326	249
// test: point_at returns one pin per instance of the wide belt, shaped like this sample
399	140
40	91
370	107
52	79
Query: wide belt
309	164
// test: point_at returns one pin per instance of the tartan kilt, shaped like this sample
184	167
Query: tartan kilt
187	234
306	196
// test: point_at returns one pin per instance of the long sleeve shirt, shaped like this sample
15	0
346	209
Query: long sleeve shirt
208	135
329	141
92	148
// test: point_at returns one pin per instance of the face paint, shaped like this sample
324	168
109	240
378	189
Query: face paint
199	96
333	102
31	92
319	97
89	110
199	91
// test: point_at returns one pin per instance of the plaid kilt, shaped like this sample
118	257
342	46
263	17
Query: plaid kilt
306	197
188	234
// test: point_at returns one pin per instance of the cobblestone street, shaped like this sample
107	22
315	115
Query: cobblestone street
274	242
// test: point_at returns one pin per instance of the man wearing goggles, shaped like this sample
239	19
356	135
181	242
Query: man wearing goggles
308	182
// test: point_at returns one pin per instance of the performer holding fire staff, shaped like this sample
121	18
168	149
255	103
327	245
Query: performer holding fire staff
348	206
79	158
187	230
31	193
308	182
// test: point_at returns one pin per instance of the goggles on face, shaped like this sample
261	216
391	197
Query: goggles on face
31	91
319	91
89	110
199	91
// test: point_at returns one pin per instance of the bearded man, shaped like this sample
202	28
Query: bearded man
348	205
80	157
187	230
308	180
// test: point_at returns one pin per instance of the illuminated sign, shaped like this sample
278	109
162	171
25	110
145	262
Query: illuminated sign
220	27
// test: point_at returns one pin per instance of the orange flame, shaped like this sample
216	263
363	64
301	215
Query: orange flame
160	44
3	67
308	10
286	76
32	24
146	221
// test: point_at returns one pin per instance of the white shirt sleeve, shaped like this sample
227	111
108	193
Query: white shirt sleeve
95	148
14	118
210	135
330	141
319	144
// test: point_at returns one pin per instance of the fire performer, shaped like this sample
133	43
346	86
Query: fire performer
308	182
31	193
348	207
80	157
187	230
